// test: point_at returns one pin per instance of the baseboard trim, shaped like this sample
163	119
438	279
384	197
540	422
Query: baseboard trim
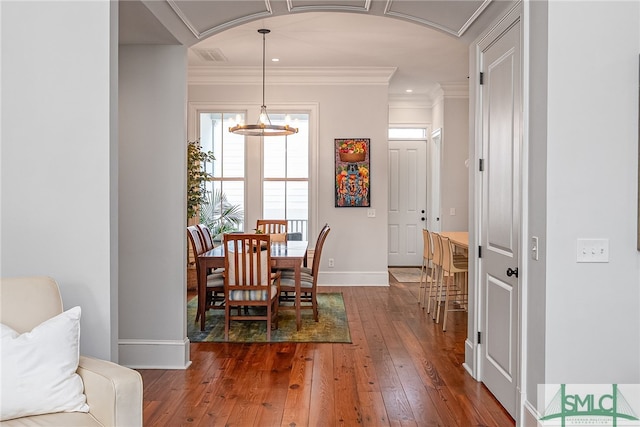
530	415
154	354
353	278
469	357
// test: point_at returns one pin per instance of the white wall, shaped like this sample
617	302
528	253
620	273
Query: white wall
152	200
537	126
454	178
592	319
58	172
357	243
451	114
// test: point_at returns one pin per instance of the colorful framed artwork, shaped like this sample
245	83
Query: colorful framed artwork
352	172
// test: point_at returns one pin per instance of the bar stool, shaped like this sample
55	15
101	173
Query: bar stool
426	271
455	286
436	265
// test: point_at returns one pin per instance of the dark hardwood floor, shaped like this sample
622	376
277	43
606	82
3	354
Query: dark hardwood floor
400	370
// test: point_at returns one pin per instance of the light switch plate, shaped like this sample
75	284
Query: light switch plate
371	213
535	250
592	250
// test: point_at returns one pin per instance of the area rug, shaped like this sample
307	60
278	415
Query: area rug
406	274
332	325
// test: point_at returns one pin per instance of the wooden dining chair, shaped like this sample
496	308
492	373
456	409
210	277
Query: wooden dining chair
426	271
215	280
207	238
276	228
453	289
248	281
308	279
436	264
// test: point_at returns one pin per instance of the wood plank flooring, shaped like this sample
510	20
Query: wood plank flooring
400	370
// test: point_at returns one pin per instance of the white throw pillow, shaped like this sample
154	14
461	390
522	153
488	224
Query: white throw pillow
38	368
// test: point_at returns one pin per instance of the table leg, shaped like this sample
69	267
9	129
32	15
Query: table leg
298	291
202	295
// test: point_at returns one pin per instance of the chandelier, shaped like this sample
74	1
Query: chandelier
264	126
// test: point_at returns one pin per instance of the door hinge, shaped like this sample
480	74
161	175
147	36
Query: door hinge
481	78
479	251
481	165
479	337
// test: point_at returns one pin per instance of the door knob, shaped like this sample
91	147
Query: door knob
422	219
511	272
422	211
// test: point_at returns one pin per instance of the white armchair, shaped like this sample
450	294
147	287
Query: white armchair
114	392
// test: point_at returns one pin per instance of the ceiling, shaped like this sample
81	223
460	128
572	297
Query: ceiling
423	42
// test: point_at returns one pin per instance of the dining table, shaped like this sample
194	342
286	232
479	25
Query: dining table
460	239
290	254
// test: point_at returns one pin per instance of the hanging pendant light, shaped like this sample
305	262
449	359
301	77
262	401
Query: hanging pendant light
264	126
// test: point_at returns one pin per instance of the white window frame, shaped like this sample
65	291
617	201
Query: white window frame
253	158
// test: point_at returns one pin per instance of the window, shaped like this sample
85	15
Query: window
407	133
226	190
280	174
285	183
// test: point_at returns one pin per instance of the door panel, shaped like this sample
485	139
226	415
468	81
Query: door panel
500	233
407	202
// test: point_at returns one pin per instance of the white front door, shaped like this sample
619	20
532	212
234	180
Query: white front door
500	230
407	201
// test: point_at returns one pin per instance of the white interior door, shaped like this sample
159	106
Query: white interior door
407	201
435	156
500	232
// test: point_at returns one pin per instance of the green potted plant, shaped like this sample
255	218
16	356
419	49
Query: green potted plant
213	210
196	176
220	215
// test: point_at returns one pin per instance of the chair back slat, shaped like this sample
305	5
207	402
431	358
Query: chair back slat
277	228
207	238
247	260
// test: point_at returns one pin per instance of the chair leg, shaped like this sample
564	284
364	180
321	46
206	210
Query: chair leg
434	275
314	304
227	321
269	321
447	301
422	287
442	287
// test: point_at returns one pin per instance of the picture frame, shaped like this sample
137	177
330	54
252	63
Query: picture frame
352	172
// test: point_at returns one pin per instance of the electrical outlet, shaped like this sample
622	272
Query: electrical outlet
371	213
331	263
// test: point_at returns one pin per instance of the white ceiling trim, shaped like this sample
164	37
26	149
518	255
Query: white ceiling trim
454	32
338	8
473	17
218	28
358	76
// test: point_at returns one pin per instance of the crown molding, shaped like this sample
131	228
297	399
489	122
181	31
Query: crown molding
212	75
444	91
345	7
410	100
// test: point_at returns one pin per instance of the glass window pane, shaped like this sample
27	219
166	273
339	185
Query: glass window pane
274	157
297	200
233	148
273	201
298	148
407	133
224	211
